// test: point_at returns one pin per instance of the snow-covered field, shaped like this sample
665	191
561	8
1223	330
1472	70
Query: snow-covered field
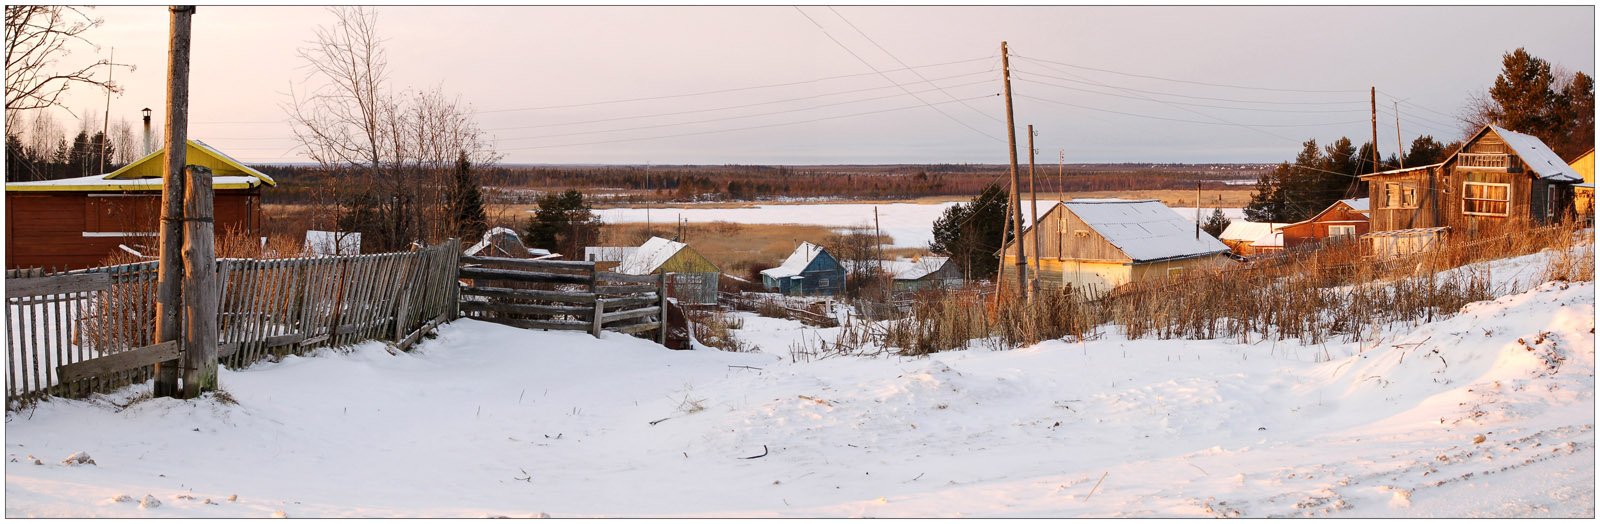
1489	413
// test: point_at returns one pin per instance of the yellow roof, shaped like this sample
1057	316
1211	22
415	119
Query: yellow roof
145	174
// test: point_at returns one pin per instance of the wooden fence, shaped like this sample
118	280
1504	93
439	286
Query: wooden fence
80	332
563	295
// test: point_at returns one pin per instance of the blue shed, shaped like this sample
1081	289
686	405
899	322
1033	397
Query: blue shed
810	270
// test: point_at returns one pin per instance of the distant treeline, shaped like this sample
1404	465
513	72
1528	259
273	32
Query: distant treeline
524	184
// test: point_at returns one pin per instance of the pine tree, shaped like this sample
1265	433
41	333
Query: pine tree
1216	223
564	223
1425	151
970	233
466	202
1523	94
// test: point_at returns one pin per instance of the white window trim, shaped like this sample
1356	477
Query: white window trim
1342	227
1465	200
108	234
1550	201
1400	195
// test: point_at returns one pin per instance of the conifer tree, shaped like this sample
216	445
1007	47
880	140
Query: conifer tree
466	202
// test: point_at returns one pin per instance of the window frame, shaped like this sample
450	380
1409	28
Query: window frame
1402	191
1342	227
1550	200
1467	199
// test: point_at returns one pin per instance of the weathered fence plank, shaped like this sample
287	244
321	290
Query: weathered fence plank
524	263
527	294
56	285
522	276
120	361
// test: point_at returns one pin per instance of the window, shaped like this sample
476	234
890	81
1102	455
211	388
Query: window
1550	196
1399	196
1481	198
822	282
1341	231
1174	272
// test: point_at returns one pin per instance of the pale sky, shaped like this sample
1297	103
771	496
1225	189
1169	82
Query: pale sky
1105	84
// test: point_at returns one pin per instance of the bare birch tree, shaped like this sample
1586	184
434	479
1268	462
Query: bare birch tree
37	38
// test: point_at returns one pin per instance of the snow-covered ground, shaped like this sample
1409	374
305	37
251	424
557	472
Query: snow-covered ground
1489	413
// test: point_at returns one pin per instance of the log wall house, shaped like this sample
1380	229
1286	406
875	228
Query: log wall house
1345	219
1499	180
79	222
1095	245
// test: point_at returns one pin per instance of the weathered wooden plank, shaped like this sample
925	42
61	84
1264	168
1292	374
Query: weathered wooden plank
526	309
571	265
417	335
56	284
522	276
626	290
622	277
563	325
636	328
632	313
120	361
285	340
622	303
528	294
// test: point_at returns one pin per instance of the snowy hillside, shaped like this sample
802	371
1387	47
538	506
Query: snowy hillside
1488	413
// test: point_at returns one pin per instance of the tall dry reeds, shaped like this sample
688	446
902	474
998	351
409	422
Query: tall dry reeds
1312	295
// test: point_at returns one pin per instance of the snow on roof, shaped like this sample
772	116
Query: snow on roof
488	239
1270	239
236	163
1589	185
1403	170
102	183
1145	230
1247	231
322	243
1537	156
908	270
650	256
1359	204
797	261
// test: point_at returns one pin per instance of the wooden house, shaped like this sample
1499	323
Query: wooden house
78	222
606	258
1249	239
691	278
809	270
504	243
1583	194
1499	180
1095	245
1344	220
923	273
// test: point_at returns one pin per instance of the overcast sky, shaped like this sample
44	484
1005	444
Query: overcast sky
1104	84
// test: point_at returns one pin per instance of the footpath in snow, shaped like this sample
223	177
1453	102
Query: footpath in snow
1489	413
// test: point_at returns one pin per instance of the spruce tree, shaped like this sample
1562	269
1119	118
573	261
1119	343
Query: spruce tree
1216	223
970	233
466	202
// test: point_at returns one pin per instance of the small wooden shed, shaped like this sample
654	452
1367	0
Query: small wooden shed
1248	238
691	278
78	222
809	270
1095	245
924	273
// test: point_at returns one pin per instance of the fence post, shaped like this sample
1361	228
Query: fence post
599	314
199	284
661	291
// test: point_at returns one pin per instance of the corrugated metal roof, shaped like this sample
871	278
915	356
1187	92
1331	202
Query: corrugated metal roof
1144	230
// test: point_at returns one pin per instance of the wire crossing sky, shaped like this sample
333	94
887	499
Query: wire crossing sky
864	85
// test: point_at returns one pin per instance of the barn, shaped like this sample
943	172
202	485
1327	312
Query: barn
1095	245
809	270
1248	238
924	273
79	222
1499	181
691	278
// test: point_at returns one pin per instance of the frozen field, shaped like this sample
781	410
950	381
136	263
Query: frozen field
1489	413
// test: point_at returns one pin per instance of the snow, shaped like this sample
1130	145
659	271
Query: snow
153	183
796	263
1362	205
651	255
1144	229
488	238
903	269
332	243
908	225
1246	231
1538	156
1232	213
488	420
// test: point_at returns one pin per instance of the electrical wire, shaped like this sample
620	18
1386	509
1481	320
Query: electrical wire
903	64
1190	103
1180	95
1323	124
1255	88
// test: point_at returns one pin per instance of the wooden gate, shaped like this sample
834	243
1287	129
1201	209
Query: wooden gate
562	295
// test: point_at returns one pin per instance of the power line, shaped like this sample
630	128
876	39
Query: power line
891	80
1288	90
719	91
1164	93
735	117
1045	100
741	106
903	64
1194	104
780	124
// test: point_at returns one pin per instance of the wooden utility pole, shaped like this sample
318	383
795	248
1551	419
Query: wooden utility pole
1399	145
877	241
105	123
1033	195
170	271
1374	129
1197	210
199	284
1016	197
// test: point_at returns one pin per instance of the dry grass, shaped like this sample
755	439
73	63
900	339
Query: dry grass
1311	296
739	249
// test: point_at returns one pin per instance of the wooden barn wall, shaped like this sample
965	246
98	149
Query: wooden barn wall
1060	227
1317	228
46	229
